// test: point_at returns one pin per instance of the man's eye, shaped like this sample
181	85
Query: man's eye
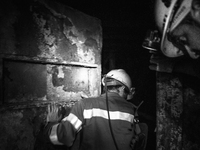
196	4
182	40
177	39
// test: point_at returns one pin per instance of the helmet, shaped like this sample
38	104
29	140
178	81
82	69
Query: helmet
168	15
118	75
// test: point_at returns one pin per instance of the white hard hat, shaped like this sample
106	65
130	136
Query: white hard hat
168	15
119	75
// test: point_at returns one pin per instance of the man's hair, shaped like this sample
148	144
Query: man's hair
113	88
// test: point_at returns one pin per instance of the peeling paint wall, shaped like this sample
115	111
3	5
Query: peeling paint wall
178	109
48	53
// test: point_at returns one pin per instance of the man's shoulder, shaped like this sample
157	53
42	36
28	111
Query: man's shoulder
89	99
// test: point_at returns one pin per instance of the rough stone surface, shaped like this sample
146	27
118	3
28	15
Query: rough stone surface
178	105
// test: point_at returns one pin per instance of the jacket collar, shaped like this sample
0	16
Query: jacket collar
113	95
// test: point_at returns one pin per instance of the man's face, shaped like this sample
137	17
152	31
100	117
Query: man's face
188	32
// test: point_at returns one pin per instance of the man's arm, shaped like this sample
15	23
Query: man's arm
64	131
184	65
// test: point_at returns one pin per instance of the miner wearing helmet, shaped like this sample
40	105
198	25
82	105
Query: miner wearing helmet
106	122
179	23
119	78
175	49
178	37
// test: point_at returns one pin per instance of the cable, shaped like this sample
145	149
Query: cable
110	125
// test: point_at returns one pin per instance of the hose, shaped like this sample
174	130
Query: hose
110	125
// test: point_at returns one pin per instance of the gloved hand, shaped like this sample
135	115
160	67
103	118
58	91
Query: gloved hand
161	63
53	113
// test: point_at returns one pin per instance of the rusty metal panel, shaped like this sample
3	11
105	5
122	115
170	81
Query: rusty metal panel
24	81
48	33
19	127
28	82
22	129
48	53
66	83
48	30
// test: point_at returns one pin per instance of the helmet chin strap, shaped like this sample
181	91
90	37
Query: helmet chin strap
110	125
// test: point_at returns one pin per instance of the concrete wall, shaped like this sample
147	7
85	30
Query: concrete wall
48	53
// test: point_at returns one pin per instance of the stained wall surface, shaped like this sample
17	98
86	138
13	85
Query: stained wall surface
48	53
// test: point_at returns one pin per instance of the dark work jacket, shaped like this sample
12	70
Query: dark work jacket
89	118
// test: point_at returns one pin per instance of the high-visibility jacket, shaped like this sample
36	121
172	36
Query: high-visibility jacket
89	118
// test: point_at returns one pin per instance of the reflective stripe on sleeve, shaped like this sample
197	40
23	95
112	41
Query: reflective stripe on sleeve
53	135
114	115
74	121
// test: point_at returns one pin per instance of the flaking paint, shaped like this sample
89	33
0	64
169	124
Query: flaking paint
43	47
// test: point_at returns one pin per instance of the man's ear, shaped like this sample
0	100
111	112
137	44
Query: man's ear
132	91
122	88
196	4
130	95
